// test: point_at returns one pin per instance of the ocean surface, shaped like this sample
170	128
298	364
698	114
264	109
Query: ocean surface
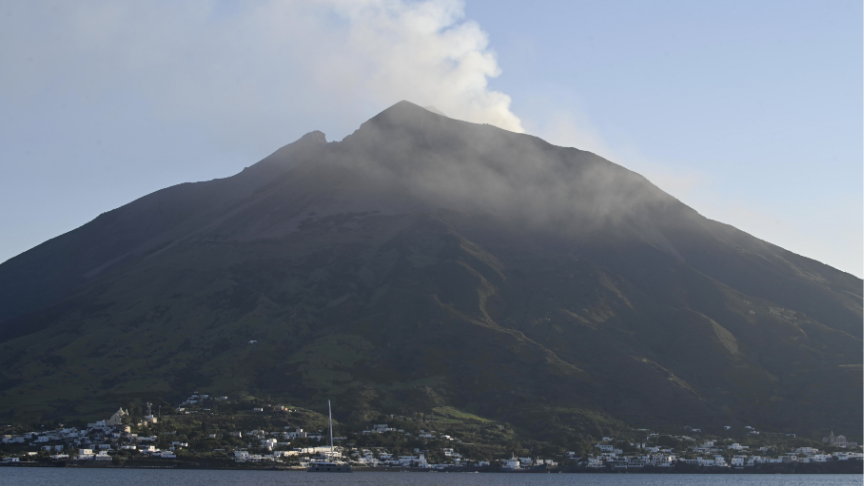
32	476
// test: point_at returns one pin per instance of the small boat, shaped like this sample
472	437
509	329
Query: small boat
340	467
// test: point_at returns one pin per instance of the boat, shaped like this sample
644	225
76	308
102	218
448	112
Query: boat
511	464
330	466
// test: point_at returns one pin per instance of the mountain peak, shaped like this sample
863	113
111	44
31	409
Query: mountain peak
316	136
404	113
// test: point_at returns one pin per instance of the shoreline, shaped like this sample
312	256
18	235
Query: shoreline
853	468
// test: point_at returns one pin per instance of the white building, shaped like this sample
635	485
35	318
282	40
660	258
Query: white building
103	456
117	418
511	464
595	462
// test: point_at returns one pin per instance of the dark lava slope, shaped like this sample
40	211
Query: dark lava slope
425	261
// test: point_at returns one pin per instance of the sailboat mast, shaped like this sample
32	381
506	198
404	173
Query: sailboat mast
330	412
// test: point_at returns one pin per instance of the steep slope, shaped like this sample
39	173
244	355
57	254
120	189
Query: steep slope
50	271
425	261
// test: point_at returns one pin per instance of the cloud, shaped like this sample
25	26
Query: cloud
408	158
426	53
569	126
246	74
800	226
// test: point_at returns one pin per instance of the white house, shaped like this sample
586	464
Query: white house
103	456
117	418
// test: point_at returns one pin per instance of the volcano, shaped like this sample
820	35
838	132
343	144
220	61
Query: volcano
424	262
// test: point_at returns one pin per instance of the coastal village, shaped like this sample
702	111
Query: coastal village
118	440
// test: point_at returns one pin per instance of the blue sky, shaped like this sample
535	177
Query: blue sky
750	112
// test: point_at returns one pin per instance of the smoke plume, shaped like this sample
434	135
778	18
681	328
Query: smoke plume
259	74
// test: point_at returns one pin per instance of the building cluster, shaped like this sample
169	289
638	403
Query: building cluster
373	457
421	434
102	439
379	457
271	442
201	399
708	454
94	443
296	433
520	463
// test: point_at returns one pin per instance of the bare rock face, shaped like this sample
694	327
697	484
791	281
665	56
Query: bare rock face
425	261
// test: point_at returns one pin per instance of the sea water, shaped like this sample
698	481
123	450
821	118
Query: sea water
33	476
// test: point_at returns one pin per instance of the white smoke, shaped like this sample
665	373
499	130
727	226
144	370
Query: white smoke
423	52
252	74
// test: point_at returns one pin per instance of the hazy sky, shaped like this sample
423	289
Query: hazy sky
748	111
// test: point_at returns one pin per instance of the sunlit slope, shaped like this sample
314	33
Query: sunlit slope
426	262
